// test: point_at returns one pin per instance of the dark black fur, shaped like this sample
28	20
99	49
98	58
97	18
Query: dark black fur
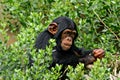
70	57
43	39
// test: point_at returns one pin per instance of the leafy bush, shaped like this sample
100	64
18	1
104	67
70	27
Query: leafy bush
98	24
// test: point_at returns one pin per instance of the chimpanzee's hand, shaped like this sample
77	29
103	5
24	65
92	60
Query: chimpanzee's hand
98	53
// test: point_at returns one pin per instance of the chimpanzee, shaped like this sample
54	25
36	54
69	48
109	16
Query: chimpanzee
55	26
66	53
64	30
55	29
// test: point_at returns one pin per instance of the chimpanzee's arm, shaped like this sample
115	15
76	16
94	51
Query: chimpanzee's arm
86	52
87	59
82	52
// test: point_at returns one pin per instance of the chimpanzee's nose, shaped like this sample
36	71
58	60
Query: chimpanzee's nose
69	38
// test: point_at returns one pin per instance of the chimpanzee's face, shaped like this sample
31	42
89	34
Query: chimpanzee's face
67	39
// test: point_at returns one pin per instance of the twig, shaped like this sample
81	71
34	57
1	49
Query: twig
106	25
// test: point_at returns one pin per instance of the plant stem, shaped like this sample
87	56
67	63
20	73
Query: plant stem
106	25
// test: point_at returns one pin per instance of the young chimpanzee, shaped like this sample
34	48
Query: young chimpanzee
64	30
66	53
55	26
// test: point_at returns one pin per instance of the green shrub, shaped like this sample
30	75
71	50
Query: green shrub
98	27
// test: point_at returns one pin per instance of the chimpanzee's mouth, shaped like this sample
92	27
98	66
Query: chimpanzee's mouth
67	45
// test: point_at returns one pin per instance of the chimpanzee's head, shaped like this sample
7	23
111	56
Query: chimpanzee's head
65	32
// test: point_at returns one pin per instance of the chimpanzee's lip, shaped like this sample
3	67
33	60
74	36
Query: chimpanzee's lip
68	45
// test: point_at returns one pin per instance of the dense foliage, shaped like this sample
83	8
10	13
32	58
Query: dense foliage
98	24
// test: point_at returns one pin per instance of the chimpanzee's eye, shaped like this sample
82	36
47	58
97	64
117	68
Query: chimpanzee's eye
67	32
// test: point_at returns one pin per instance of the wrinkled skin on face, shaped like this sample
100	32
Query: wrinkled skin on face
67	38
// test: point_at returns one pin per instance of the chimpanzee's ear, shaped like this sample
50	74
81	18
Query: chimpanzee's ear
53	28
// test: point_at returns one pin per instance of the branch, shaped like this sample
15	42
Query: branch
106	25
